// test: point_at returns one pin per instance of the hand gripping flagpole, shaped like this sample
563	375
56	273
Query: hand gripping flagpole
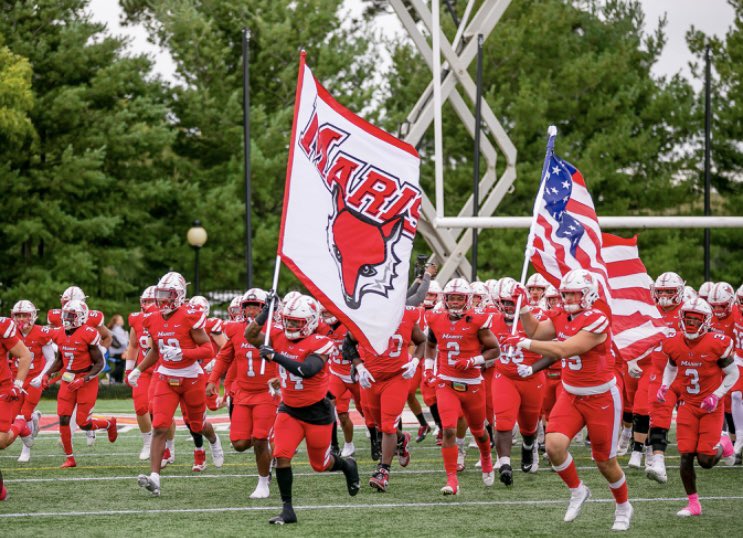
551	135
267	330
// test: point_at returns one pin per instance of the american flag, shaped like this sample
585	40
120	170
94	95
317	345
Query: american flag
567	236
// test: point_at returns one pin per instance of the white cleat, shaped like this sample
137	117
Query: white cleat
35	419
146	482
348	450
90	437
657	471
217	452
261	491
450	490
578	498
649	457
624	442
635	460
27	441
622	517
534	459
488	479
144	454
25	456
461	456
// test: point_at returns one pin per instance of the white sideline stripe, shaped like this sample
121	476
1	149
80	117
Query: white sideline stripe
249	475
373	506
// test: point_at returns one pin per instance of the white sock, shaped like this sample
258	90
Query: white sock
627	432
737	412
155	477
262	480
146	438
460	442
504	460
170	445
659	458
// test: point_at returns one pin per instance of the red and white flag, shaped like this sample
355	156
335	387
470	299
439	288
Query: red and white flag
351	207
567	236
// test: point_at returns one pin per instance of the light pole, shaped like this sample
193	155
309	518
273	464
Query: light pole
196	237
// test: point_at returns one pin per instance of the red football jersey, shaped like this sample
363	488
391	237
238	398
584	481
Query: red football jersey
457	340
671	318
36	338
238	352
176	332
396	355
214	326
54	318
506	365
338	366
73	347
297	391
738	335
696	360
724	326
593	371
8	339
136	322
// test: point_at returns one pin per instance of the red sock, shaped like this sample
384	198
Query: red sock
486	457
449	454
20	428
98	423
619	490
568	472
66	434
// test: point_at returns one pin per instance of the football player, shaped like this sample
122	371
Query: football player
516	399
135	354
79	355
38	340
590	396
704	360
464	343
737	390
384	379
11	391
254	410
305	411
536	286
178	340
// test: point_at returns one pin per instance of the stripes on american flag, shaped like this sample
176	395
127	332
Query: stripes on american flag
567	236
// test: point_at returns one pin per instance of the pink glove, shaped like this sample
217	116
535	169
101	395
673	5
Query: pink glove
661	395
710	403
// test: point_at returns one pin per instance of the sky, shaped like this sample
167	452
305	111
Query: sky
710	16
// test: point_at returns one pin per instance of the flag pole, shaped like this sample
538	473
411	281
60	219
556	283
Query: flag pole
551	135
269	322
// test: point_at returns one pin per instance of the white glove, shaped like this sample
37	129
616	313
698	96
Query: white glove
524	370
171	353
365	377
134	377
633	370
409	369
36	381
272	391
210	366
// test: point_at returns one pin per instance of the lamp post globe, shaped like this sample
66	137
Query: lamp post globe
196	237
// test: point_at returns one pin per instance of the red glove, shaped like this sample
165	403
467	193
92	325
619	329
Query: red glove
76	384
428	377
126	378
45	382
211	401
709	404
512	341
519	290
465	364
661	395
12	395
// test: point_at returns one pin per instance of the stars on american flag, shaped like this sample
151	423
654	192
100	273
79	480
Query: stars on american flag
557	191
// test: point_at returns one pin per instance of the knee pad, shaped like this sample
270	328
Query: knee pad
641	423
658	438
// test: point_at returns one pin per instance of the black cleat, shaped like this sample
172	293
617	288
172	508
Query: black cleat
351	472
286	517
335	451
527	458
376	449
505	474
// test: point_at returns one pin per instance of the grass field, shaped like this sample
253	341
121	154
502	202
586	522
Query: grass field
101	497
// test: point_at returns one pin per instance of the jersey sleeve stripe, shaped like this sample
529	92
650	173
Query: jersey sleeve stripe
201	323
599	321
728	351
326	349
10	331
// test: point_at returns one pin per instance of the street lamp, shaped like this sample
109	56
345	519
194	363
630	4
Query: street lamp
196	237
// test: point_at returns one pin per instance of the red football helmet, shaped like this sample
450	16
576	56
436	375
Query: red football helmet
668	290
170	292
695	318
300	317
721	298
74	314
457	296
24	314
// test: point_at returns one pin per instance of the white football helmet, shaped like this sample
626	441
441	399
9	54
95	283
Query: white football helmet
291	295
459	287
721	299
699	309
689	293
147	298
74	314
73	293
579	281
552	297
480	294
537	283
491	284
253	299
170	292
507	298
433	295
704	289
235	310
668	290
739	296
24	314
300	317
200	302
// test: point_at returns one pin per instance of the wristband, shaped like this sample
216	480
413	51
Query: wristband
428	364
478	360
18	384
525	344
525	310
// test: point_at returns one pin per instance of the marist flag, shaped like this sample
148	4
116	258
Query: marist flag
567	236
351	208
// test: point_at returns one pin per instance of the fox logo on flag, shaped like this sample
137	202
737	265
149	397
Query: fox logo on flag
351	209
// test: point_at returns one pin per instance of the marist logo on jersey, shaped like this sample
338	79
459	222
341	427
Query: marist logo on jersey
372	212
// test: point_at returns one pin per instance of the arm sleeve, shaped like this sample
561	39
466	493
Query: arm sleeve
415	298
669	374
731	376
349	349
431	336
311	365
49	356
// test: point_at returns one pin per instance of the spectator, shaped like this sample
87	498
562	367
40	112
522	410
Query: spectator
119	343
